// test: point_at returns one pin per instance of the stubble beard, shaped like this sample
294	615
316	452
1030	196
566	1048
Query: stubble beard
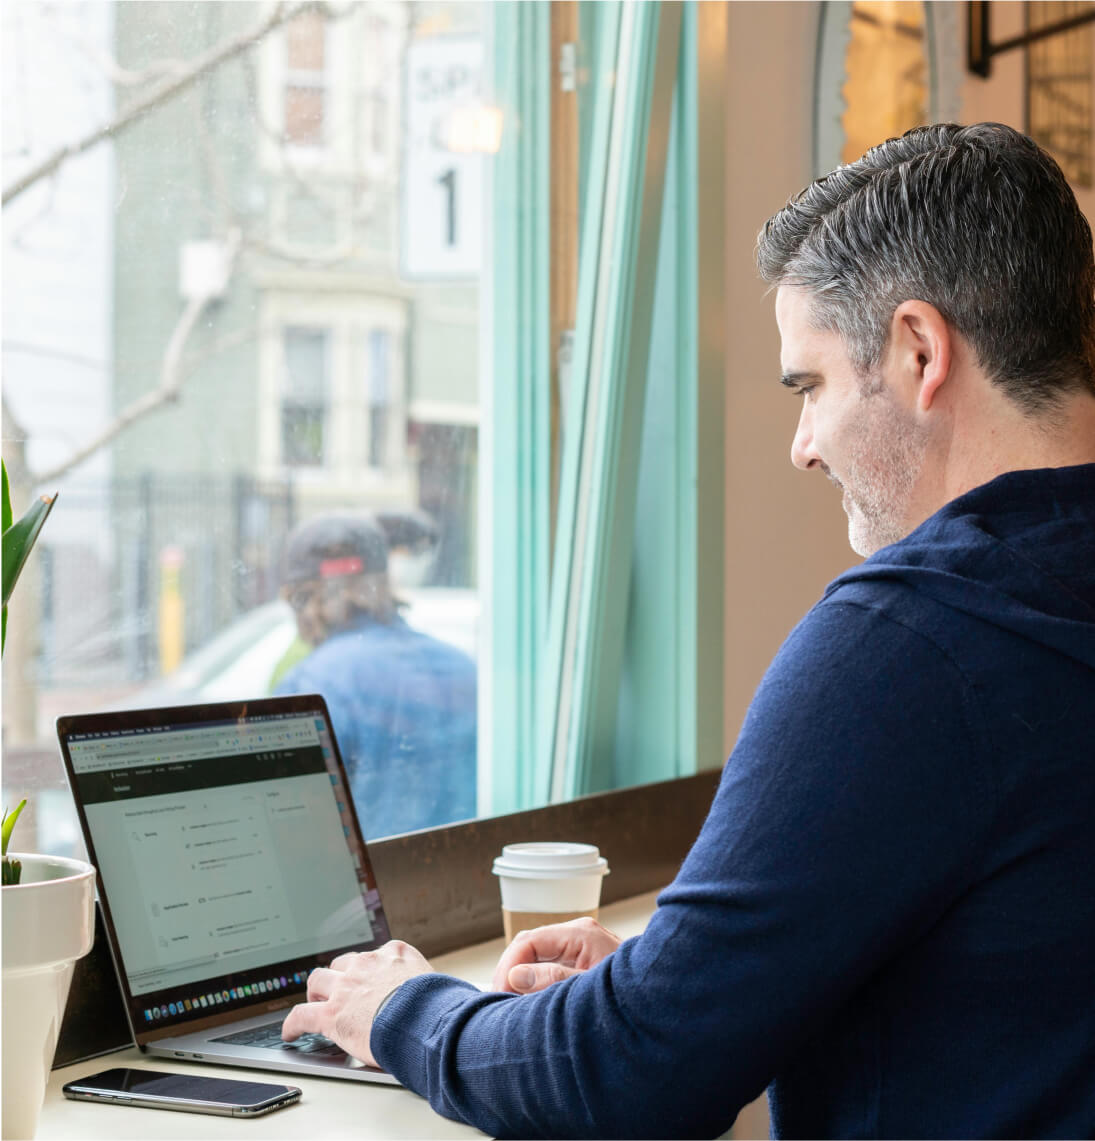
883	463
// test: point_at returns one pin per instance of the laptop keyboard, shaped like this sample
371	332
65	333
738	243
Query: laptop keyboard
268	1036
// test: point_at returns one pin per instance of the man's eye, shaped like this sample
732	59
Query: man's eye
803	389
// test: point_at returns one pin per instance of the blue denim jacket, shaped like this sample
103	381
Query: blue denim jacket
403	706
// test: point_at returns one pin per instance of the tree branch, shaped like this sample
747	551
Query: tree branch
173	374
109	67
167	89
171	379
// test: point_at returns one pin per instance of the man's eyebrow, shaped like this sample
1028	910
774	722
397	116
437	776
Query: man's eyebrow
795	379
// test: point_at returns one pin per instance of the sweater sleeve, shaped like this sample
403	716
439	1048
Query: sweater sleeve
845	824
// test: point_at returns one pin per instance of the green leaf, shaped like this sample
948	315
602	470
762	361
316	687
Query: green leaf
19	539
7	516
6	508
13	870
7	824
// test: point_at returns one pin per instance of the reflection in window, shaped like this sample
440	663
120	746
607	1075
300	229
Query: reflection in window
1059	88
886	89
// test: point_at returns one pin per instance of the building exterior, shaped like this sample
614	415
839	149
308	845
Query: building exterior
259	266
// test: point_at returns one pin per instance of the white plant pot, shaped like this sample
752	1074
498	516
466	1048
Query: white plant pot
49	923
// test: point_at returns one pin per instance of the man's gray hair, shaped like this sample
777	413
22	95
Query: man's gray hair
979	222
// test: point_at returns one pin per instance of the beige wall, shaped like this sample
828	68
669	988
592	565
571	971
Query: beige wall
786	534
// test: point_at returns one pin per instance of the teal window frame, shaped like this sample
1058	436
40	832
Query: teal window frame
608	671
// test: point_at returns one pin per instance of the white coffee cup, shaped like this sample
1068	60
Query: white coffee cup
549	882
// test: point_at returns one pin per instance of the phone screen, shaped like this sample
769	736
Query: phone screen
189	1092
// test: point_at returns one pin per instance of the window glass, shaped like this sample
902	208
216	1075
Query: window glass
271	282
253	307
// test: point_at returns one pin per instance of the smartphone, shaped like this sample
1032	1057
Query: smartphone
190	1093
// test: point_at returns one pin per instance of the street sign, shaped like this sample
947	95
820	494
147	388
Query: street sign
442	185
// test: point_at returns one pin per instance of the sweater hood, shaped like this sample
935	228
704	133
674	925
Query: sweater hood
1018	553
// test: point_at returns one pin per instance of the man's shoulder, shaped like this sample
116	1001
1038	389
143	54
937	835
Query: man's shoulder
418	644
862	625
344	652
380	654
866	655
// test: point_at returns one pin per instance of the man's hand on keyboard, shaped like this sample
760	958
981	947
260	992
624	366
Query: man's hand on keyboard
343	998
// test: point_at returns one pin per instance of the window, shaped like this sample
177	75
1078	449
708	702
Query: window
1059	94
306	80
212	335
379	387
882	68
304	404
886	91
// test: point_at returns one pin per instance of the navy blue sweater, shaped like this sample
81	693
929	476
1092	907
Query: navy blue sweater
889	915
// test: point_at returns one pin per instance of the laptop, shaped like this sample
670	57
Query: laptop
230	865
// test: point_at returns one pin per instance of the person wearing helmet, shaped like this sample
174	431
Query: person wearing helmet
403	704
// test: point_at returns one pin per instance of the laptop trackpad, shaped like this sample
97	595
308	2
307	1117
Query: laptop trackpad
268	1037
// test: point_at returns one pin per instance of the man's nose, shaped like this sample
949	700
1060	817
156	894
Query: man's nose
803	453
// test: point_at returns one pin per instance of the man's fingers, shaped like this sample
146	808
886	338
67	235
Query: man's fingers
304	1018
541	944
343	998
577	943
531	977
320	983
519	951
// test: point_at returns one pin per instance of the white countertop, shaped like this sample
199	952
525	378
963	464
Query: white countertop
329	1107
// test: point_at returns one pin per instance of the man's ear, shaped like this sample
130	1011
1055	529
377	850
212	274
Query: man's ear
922	343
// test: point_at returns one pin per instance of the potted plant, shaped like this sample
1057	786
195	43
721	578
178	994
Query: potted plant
48	908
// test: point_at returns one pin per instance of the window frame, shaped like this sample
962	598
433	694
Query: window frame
557	651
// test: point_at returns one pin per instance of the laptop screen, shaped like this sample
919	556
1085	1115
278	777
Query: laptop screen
229	856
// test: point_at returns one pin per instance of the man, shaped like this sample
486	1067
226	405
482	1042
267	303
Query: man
888	918
403	704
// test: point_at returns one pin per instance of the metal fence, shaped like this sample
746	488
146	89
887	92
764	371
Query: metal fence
137	560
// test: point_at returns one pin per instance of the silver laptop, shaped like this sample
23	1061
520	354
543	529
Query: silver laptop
231	864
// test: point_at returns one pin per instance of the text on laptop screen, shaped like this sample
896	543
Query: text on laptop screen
223	846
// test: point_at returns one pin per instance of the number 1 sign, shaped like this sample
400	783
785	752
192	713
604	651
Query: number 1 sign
442	186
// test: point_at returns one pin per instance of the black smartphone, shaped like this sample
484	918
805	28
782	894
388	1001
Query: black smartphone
190	1093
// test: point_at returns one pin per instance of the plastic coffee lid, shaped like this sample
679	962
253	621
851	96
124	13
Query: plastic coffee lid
550	860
